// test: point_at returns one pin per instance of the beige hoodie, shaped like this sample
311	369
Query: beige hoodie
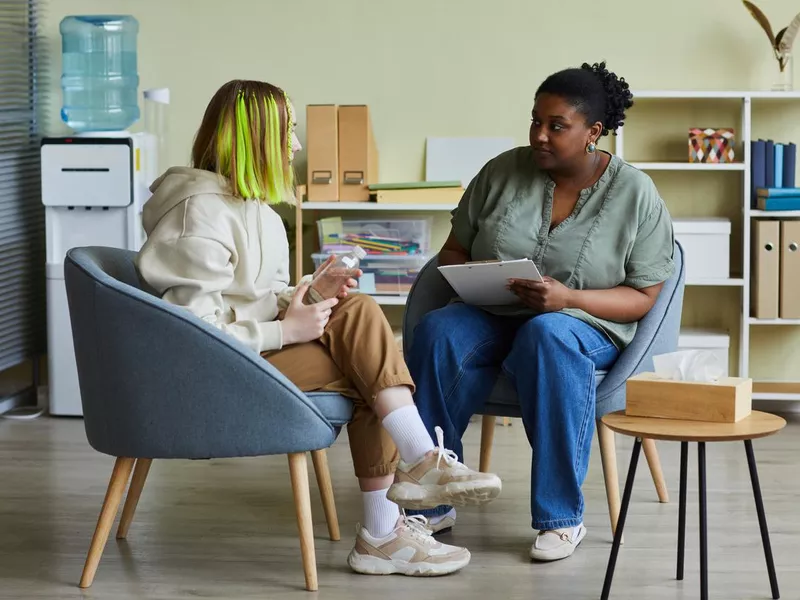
223	258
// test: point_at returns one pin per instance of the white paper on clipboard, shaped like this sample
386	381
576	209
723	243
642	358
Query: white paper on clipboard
484	284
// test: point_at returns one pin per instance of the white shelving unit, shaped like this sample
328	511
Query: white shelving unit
677	166
375	206
743	168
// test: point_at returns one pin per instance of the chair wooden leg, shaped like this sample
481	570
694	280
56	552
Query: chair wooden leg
487	438
320	458
651	454
608	457
116	487
140	472
298	470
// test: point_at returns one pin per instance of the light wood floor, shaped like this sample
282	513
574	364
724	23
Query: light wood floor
226	529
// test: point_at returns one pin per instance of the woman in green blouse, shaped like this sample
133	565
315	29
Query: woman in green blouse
602	238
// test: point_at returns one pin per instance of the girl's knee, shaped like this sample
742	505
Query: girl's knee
364	304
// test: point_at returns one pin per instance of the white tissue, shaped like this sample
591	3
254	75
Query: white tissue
689	365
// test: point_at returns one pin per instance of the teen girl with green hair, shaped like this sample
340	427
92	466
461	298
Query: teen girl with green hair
216	247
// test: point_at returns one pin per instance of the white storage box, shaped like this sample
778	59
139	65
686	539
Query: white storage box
398	237
707	247
717	342
385	275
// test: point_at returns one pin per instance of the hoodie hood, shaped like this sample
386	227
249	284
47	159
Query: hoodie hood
174	187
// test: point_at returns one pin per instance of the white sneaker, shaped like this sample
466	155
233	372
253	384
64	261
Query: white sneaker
408	550
556	544
438	478
442	523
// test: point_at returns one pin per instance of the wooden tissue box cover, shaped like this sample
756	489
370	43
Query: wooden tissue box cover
727	401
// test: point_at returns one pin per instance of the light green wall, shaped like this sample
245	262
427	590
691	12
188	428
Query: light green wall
464	67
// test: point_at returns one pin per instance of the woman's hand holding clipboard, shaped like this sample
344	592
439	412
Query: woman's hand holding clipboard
487	283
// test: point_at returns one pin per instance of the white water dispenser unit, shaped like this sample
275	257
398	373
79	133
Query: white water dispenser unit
93	189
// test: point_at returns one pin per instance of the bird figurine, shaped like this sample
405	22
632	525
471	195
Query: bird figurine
783	41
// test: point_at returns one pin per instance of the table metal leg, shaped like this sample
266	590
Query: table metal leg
682	509
701	467
762	518
623	513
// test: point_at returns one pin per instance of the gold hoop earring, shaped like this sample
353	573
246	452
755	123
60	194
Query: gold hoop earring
591	148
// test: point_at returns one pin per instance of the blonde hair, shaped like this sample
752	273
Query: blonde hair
246	137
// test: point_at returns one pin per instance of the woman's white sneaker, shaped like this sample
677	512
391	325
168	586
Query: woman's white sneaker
443	523
438	478
556	544
408	550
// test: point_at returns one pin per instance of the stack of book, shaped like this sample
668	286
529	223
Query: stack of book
773	176
417	192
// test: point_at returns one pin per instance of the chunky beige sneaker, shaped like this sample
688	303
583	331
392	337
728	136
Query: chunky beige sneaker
556	544
438	478
409	550
442	524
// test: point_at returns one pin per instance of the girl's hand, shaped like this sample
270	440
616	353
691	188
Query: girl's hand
350	284
305	323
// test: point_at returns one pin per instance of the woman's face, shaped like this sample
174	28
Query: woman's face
559	133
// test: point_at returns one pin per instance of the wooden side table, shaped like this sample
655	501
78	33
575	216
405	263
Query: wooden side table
757	425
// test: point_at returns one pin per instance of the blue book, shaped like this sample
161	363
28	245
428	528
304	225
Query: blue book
778	165
770	164
784	192
787	203
789	165
758	149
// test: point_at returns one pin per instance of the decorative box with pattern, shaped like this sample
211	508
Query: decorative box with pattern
711	145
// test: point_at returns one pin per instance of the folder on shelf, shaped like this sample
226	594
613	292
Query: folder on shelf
769	171
789	164
765	270
790	267
758	149
322	153
778	165
358	154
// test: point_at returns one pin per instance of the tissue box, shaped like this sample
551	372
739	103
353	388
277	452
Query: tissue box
726	401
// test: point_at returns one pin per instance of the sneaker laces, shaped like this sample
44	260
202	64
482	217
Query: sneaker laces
418	527
448	456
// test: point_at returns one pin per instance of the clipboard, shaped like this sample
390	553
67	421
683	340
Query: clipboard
484	283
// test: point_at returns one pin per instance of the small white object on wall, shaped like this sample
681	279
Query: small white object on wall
460	158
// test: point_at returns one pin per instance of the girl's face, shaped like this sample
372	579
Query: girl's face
294	144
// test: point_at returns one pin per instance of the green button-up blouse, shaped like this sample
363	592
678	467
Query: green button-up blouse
620	232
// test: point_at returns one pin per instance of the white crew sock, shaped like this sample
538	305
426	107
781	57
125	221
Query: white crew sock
380	513
439	518
408	433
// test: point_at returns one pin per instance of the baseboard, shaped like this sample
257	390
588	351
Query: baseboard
22	398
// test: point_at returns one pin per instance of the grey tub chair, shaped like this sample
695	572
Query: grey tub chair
158	383
657	333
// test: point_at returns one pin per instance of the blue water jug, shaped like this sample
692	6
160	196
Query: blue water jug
99	77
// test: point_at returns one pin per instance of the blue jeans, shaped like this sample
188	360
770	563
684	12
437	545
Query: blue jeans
458	353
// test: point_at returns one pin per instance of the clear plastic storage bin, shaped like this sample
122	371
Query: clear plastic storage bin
379	237
385	275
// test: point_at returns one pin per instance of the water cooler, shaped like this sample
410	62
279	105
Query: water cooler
93	189
96	180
